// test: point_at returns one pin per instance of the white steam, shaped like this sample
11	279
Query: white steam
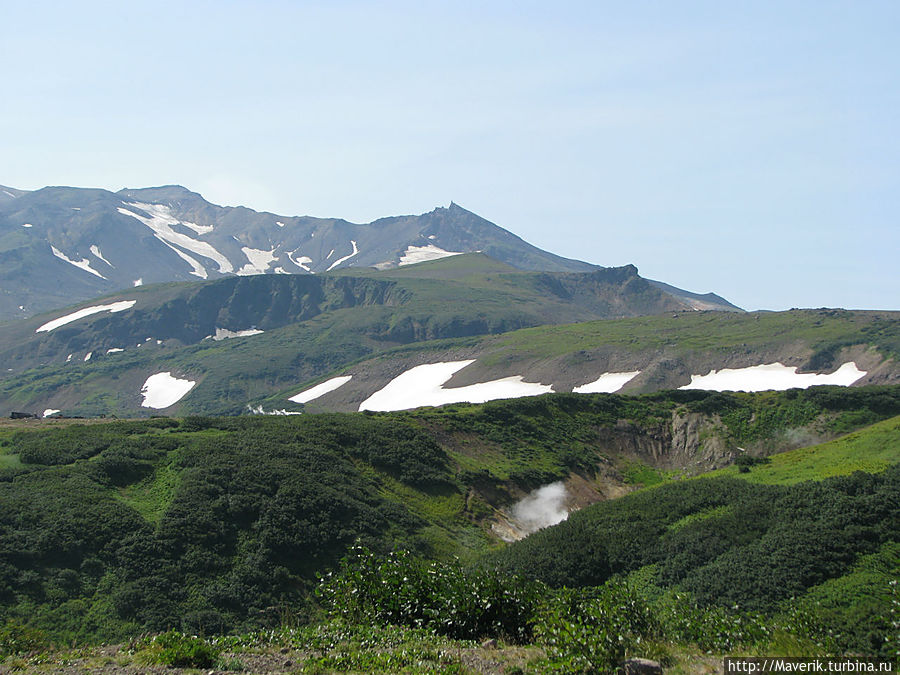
542	508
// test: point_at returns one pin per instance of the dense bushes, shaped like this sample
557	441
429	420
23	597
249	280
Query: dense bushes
246	517
585	630
445	597
772	543
215	524
177	650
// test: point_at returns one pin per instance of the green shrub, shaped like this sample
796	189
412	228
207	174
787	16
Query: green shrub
17	638
178	650
403	590
682	620
593	631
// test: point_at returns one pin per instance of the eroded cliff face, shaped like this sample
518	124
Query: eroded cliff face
688	444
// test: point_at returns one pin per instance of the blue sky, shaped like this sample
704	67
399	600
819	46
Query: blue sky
746	148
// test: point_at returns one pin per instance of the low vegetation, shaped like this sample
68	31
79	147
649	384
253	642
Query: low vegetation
361	541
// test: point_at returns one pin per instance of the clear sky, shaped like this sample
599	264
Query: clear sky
746	148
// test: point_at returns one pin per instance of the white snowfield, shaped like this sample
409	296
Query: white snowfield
162	390
96	251
224	333
138	282
607	383
423	385
120	306
417	254
258	410
27	225
259	261
303	261
161	221
320	389
772	376
346	257
83	264
199	229
50	411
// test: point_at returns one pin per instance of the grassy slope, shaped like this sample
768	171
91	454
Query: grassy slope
822	330
469	296
871	449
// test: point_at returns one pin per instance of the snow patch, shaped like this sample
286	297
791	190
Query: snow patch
417	254
87	357
84	264
346	257
258	410
50	411
96	251
259	261
279	223
771	376
114	350
303	261
161	221
607	383
27	225
320	389
199	229
224	333
87	311
69	357
423	385
11	195
138	282
198	269
162	390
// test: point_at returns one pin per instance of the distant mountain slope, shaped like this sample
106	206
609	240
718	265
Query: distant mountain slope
61	245
288	333
312	324
750	351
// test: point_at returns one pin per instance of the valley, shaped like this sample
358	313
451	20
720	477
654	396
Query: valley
213	524
375	457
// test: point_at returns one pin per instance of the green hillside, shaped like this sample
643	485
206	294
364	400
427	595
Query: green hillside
376	324
312	324
871	449
211	524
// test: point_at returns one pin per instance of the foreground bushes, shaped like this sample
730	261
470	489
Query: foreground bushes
593	629
177	650
404	590
581	630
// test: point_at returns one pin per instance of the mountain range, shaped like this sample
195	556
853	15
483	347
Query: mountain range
61	245
217	310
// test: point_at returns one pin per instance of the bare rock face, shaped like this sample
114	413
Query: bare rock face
641	667
694	445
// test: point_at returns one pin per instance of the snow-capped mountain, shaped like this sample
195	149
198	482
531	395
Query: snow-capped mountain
61	245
